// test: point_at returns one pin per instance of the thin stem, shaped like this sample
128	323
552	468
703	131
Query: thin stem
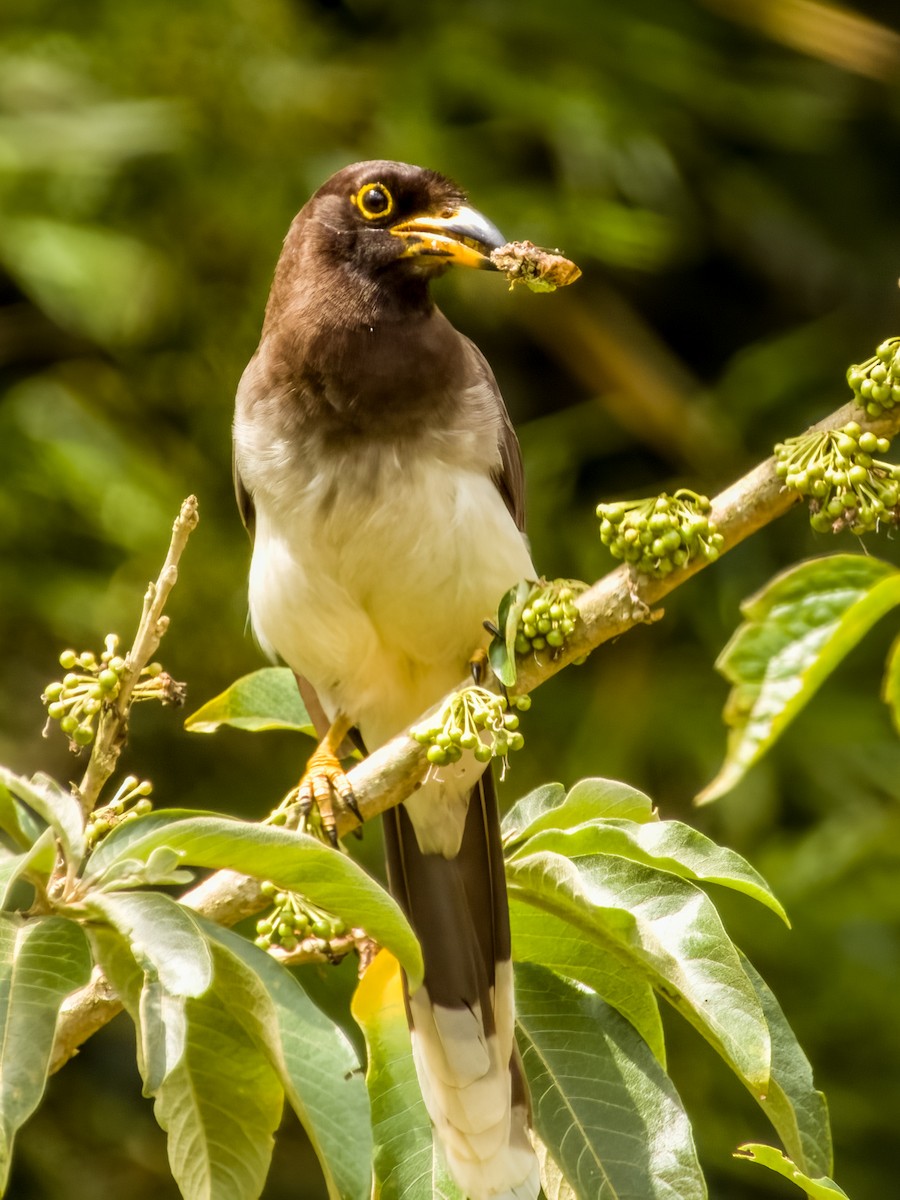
113	722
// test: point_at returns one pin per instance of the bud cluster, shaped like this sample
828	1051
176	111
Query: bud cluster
130	801
472	719
549	615
78	697
846	486
294	918
661	533
876	383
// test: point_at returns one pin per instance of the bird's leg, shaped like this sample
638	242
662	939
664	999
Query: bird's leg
324	785
479	666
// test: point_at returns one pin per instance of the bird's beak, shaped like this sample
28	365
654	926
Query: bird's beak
464	237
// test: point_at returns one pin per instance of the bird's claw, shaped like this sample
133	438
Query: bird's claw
322	792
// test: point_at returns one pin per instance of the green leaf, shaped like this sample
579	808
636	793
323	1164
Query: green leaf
796	632
797	1111
36	863
549	807
163	936
667	931
407	1167
219	1100
41	962
601	1100
502	650
11	815
767	1156
265	699
294	861
161	869
890	689
542	937
55	805
666	845
318	1067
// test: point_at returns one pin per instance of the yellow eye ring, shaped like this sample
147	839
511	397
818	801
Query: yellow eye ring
374	201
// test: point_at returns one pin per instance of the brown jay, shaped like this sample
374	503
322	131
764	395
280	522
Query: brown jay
381	479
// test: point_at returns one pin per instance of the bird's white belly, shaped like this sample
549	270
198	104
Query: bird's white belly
377	597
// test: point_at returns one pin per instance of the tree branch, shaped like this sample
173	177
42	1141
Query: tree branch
616	603
113	724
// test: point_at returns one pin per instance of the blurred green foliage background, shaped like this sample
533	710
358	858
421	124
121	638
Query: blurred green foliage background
724	171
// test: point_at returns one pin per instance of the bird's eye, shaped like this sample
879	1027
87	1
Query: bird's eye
374	200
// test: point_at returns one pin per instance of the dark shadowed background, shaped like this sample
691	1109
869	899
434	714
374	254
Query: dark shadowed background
725	173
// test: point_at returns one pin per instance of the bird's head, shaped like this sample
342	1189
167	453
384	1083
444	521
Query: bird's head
389	216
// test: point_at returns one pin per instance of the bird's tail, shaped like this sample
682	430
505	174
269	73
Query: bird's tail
462	1017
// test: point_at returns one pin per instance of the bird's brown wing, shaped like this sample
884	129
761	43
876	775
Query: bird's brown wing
510	478
244	499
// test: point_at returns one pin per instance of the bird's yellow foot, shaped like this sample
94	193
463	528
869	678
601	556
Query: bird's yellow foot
479	666
325	789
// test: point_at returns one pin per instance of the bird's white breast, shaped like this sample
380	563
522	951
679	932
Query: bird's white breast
372	578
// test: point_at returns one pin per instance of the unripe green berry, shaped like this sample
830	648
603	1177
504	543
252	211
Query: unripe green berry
83	735
69	724
68	659
57	710
482	753
436	755
555	637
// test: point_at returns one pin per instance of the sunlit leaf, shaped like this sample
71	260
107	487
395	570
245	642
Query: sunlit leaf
767	1156
292	860
318	1068
265	699
550	807
406	1164
542	937
666	845
666	930
36	863
890	690
219	1100
797	630
55	805
601	1099
164	938
41	962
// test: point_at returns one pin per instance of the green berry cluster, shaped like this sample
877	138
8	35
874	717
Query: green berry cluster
549	615
846	486
472	719
292	919
876	383
90	683
130	801
661	533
